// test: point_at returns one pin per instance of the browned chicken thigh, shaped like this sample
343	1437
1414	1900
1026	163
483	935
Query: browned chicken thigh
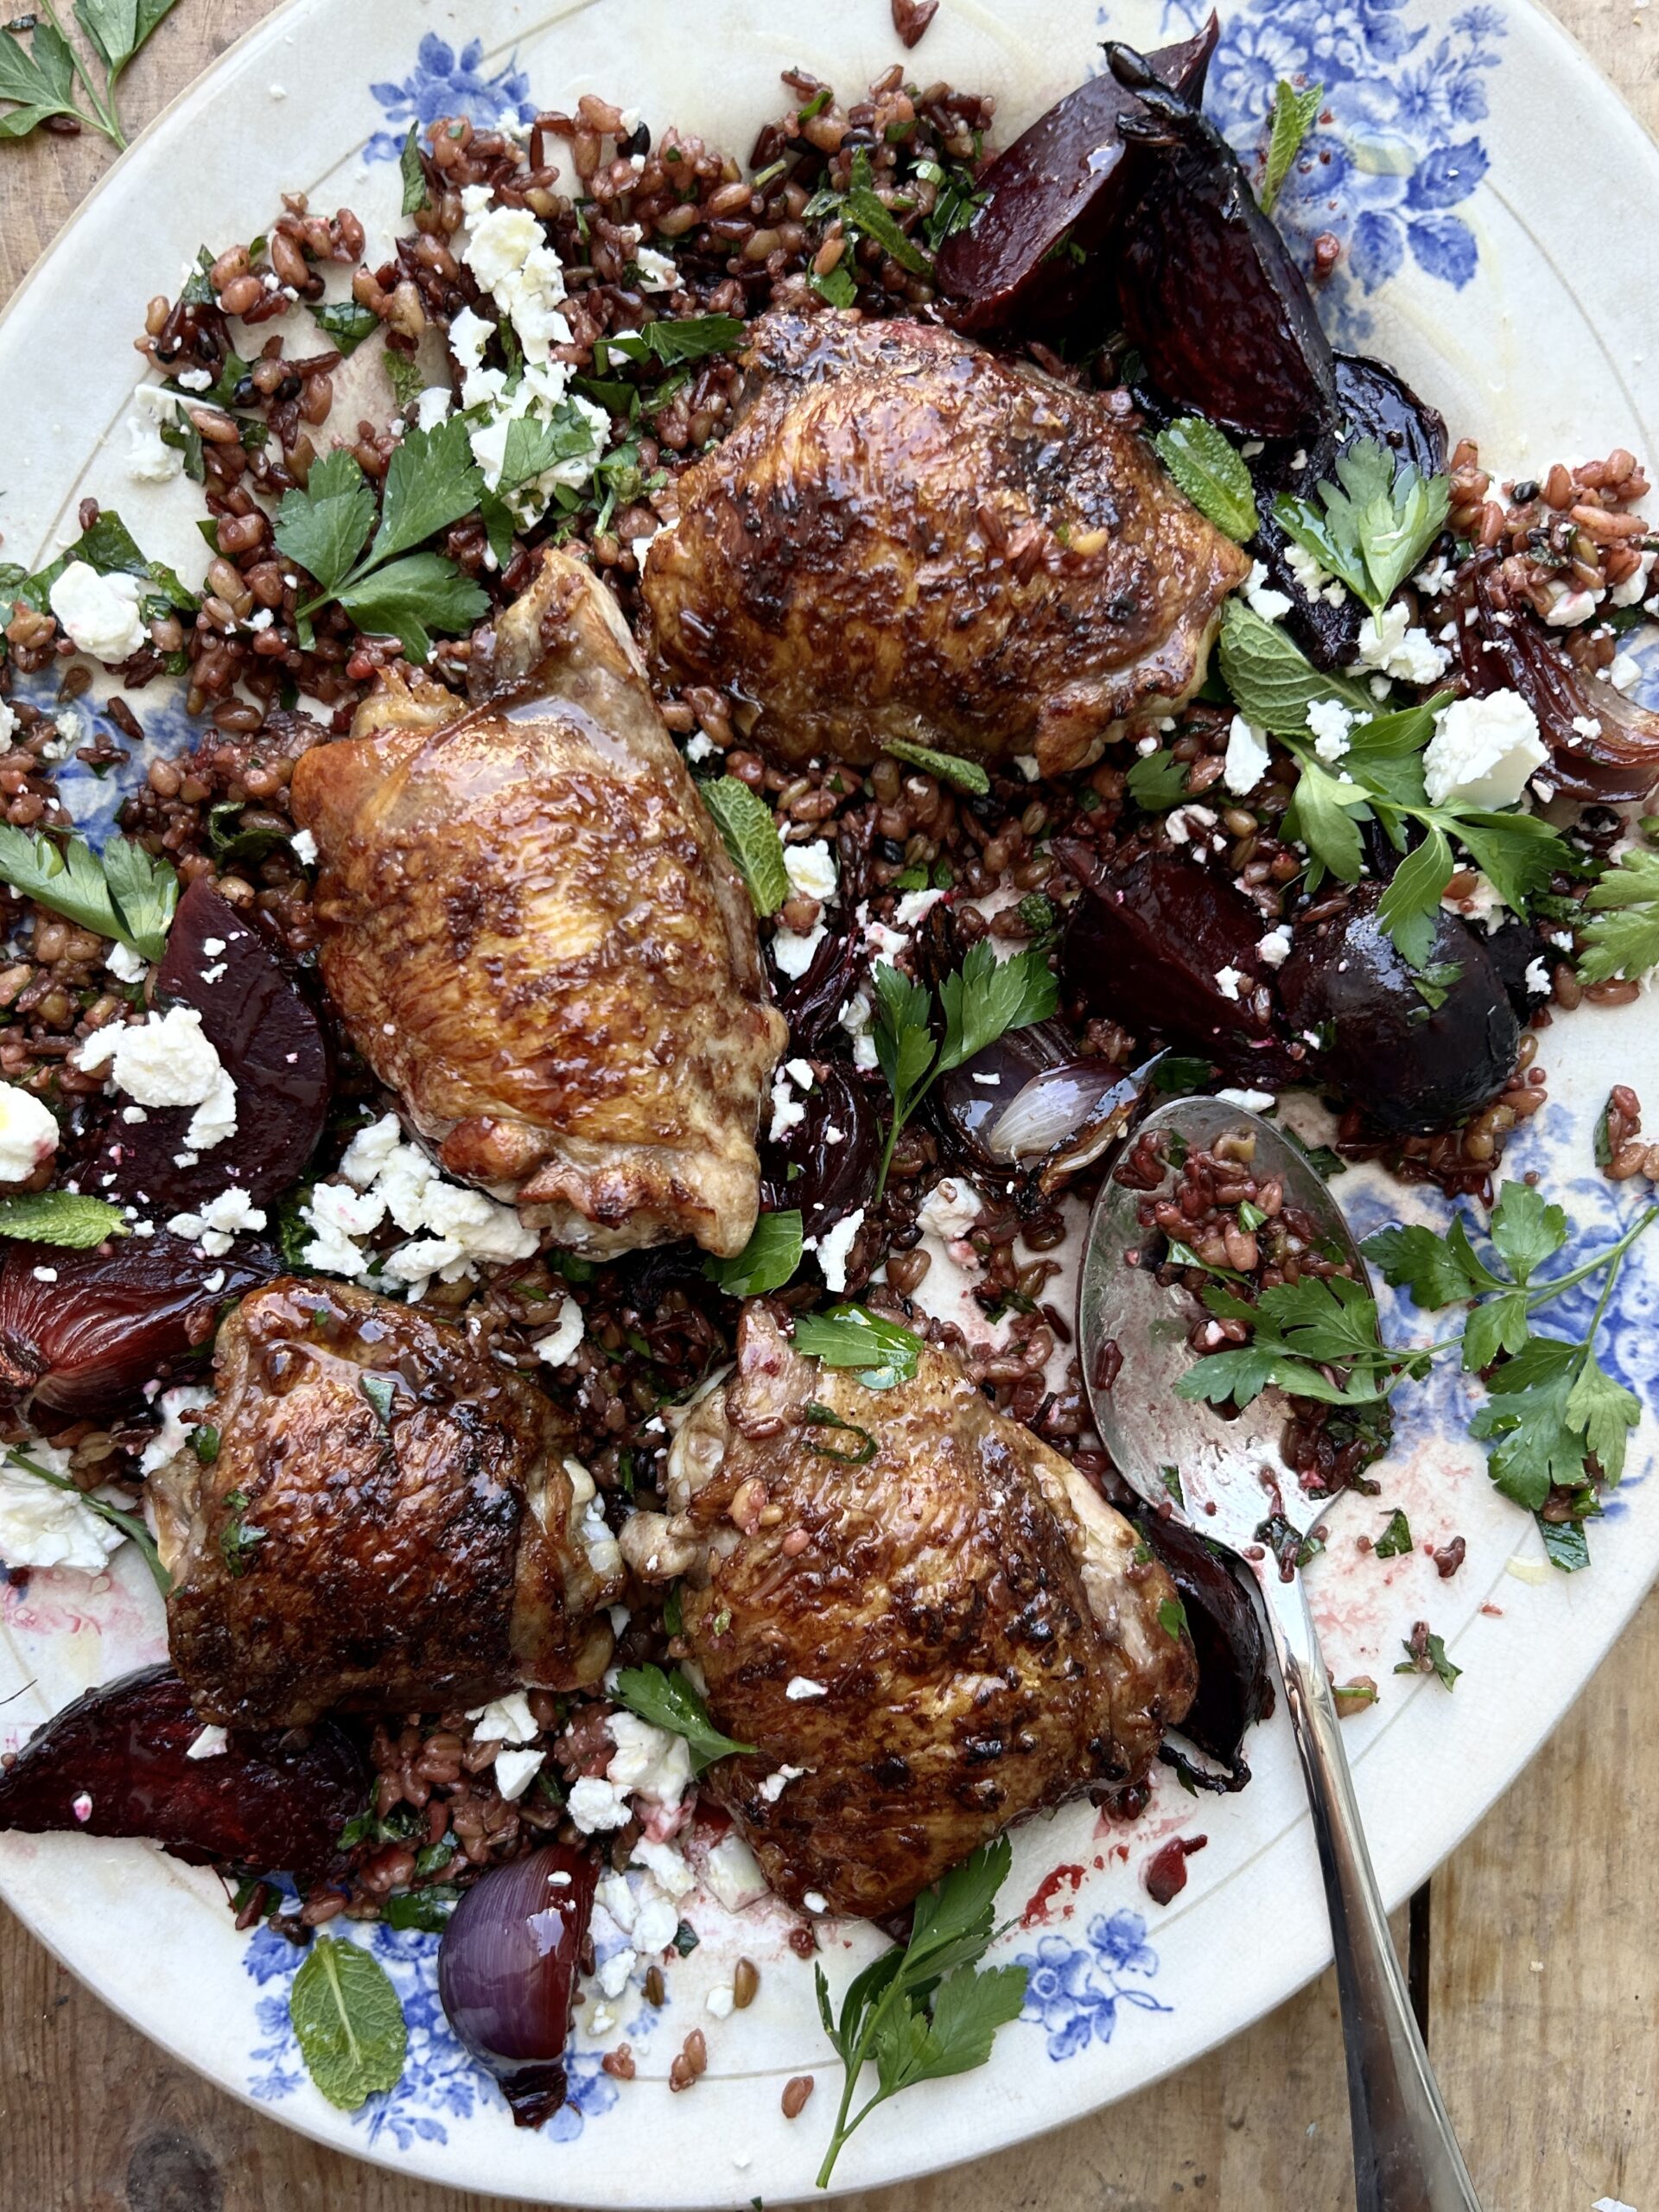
905	537
534	936
924	1641
390	1520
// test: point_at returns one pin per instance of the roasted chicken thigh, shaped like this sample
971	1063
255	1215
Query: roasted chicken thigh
389	1520
534	936
923	1640
905	537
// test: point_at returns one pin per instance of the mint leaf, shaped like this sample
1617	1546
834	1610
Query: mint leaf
1293	115
1207	467
668	1701
884	1353
347	323
63	1218
1271	681
349	2023
746	825
962	775
766	1263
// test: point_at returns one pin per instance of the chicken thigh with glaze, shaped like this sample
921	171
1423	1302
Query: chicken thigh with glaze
533	932
906	536
926	1620
389	1520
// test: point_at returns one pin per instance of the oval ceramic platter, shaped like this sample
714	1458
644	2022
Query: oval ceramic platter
1496	280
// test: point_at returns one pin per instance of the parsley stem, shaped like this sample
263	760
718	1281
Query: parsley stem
1541	1294
104	116
132	1525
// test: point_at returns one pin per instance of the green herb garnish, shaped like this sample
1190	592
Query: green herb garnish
125	894
750	831
668	1701
817	1417
1293	117
40	78
349	2023
132	1525
967	775
348	324
1208	467
61	1217
884	1353
1372	527
1426	1654
239	1538
766	1262
1394	1542
1621	938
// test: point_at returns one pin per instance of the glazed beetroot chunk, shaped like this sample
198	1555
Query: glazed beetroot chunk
1051	200
109	1321
270	1040
273	1803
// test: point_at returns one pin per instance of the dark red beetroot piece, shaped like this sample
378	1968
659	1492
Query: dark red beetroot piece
270	1040
811	1002
1506	647
1235	1681
272	1803
831	1179
506	1968
1051	200
1145	944
1208	290
111	1320
1412	1068
1373	403
1165	1871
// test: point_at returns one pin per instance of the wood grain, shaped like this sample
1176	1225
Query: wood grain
1542	1974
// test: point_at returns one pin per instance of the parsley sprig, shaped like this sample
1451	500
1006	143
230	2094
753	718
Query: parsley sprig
668	1701
1373	525
41	79
1621	938
132	1525
981	1002
431	482
125	894
930	2010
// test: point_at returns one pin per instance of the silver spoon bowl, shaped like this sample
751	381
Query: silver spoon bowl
1226	1477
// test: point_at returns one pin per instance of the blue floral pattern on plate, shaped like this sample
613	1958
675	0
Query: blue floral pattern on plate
1073	1990
1393	155
440	2083
442	83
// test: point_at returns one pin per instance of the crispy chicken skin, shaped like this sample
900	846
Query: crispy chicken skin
533	932
984	1639
390	1522
906	536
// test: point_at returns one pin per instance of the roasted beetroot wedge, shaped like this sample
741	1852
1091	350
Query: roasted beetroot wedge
1171	951
1209	292
269	1039
1234	1682
117	1763
1412	1065
1051	201
825	1165
105	1322
1503	646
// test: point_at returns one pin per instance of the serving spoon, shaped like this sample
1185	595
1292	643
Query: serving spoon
1230	1469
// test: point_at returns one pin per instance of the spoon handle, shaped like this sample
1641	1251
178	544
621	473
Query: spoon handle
1405	2155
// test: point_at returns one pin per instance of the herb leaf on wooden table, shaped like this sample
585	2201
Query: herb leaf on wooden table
40	78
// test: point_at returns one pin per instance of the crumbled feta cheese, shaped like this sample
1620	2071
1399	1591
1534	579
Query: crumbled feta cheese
916	906
558	1347
303	846
793	954
99	615
194	380
833	1246
1253	1102
659	272
1433	577
1229	981
1182	821
815	1901
172	1436
1275	947
721	2000
432	407
700	746
1248	759
207	1743
29	1134
657	1924
951	1208
43	1526
1481	903
787	1110
1536	978
1626	673
855	1017
219	1222
612	1974
596	1804
1261	597
1330	721
1483	751
1028	765
1567	607
731	1873
802	1686
370	1149
777	1782
648	1759
1314	580
513	1771
506	1720
126	966
165	1060
149	459
811	870
1388	644
1634	586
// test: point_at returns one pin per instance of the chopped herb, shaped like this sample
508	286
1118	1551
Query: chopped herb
204	1442
1158	781
1206	465
1426	1654
668	1701
348	324
1621	938
239	1537
883	1352
817	1417
967	775
837	287
428	1909
691	338
1171	1616
749	830
349	2023
766	1262
413	174
1293	117
381	1392
686	1939
1394	1542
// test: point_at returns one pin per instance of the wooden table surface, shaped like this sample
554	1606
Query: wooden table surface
1534	1950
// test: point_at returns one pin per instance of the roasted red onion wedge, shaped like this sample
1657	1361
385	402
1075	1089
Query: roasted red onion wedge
508	1968
1170	950
1506	647
1412	1066
1051	200
1207	287
1028	1105
270	1039
117	1763
109	1321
